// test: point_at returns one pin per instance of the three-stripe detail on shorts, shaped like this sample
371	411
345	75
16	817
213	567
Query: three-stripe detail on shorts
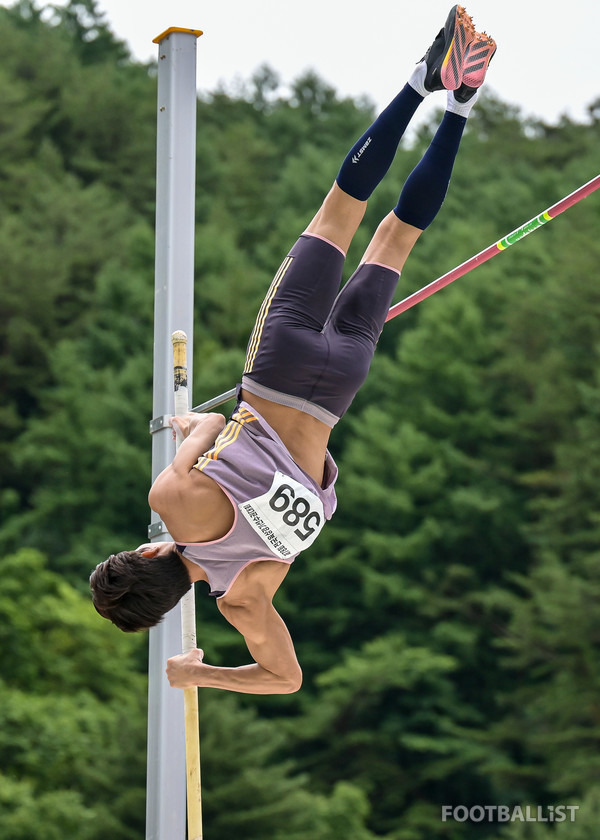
254	342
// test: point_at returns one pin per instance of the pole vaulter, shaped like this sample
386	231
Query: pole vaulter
244	498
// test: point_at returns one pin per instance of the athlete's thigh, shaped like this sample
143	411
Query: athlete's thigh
307	282
362	306
352	332
301	295
287	348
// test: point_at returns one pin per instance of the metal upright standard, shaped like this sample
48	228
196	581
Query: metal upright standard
173	310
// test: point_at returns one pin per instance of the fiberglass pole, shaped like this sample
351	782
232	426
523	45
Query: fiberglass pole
173	310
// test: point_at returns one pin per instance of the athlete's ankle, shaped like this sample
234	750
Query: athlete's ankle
417	79
462	109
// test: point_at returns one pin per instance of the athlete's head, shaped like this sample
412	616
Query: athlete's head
135	589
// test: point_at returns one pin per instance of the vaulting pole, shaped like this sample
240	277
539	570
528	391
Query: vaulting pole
173	310
188	619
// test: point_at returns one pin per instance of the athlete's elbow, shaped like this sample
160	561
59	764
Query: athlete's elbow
156	496
292	682
165	492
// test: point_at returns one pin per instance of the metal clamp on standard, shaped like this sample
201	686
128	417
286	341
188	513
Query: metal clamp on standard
160	423
157	529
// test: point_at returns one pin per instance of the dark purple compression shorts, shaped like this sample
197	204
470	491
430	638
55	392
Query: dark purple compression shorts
312	345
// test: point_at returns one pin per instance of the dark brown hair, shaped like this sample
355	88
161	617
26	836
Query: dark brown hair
135	592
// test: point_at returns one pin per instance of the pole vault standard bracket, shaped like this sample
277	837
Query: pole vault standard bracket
157	424
157	529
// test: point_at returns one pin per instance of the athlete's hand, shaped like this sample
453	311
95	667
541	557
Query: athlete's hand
183	670
191	421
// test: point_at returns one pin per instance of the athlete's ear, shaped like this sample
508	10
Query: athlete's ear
148	550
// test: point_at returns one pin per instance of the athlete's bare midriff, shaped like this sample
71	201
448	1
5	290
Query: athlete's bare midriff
304	436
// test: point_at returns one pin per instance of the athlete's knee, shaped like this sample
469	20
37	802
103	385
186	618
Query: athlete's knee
338	218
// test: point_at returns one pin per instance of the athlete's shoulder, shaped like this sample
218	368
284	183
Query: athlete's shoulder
194	508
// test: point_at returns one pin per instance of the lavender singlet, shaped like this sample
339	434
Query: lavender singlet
279	510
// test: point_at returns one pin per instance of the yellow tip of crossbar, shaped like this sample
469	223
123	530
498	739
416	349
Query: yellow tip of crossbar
167	32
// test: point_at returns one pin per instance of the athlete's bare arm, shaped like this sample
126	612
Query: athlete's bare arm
248	606
193	506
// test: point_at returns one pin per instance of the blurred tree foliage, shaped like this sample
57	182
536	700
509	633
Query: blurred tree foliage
447	619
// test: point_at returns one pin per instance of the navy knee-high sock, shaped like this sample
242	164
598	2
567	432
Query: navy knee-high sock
425	188
371	156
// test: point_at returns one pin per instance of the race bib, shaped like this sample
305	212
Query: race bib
288	517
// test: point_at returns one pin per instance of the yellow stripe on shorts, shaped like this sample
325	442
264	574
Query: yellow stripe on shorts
254	342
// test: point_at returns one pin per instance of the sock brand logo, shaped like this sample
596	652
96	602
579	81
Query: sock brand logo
356	157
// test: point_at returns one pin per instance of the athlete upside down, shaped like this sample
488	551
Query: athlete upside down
243	499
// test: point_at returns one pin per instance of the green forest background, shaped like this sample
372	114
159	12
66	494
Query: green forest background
447	621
